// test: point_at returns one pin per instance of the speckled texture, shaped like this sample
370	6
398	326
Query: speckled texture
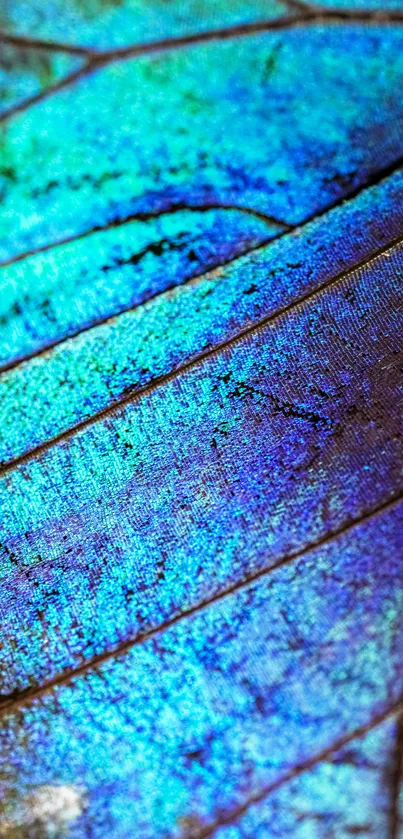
52	393
26	72
180	116
262	448
192	723
51	295
104	24
381	6
201	596
346	795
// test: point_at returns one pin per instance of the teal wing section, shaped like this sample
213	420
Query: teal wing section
201	401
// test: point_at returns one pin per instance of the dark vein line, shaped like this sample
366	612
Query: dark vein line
112	316
237	812
198	358
26	42
320	13
222	33
301	19
306	12
396	783
17	698
65	82
98	60
142	48
378	15
149	216
205	208
370	181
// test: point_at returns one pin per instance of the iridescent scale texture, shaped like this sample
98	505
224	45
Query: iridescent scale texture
201	401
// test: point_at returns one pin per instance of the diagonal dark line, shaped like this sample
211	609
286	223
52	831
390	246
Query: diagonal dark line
372	180
51	345
178	207
101	59
221	34
17	698
377	15
65	82
236	813
143	48
141	217
304	12
198	358
301	7
396	783
26	42
305	15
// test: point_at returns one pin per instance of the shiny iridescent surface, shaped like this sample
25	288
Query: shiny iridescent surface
203	716
52	393
104	24
155	131
201	401
344	795
26	73
49	296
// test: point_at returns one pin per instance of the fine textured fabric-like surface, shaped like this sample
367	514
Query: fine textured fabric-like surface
201	401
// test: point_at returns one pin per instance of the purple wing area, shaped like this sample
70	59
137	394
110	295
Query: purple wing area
201	462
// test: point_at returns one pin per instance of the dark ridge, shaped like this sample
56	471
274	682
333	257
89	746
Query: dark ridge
72	77
199	358
306	12
372	180
378	15
26	42
147	216
17	698
299	6
100	59
142	48
17	362
234	815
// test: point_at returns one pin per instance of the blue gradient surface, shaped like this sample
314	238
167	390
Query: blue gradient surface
201	402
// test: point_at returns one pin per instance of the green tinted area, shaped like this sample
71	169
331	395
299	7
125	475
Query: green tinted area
157	131
51	295
27	72
104	24
200	424
258	451
52	393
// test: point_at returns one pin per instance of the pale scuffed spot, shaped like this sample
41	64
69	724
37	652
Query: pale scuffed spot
51	808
